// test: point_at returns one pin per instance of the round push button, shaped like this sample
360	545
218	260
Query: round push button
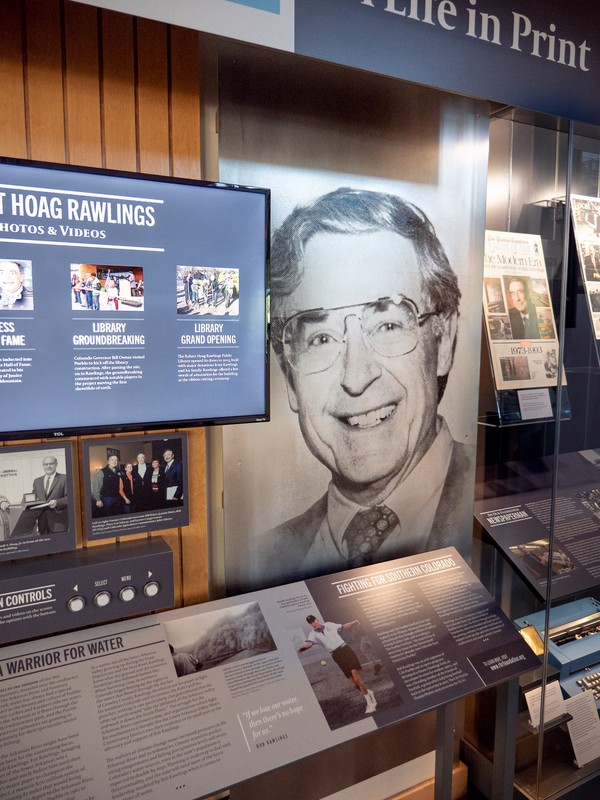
76	603
127	594
151	589
102	599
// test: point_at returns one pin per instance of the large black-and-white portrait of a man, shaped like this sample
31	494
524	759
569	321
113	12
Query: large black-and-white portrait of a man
376	278
366	357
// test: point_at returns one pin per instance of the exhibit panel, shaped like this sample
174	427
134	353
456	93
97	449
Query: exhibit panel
196	700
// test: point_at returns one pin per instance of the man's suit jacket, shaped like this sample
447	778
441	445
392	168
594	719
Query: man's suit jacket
174	477
285	547
517	325
53	520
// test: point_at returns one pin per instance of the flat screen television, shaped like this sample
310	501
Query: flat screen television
129	301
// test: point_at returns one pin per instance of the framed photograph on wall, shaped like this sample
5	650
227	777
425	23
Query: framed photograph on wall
36	500
135	484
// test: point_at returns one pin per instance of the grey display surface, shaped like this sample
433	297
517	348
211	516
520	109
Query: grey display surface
191	701
95	311
100	584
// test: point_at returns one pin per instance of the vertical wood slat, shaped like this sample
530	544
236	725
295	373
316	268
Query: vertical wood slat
118	92
82	479
78	502
45	80
116	129
154	157
82	82
185	102
194	537
13	134
153	97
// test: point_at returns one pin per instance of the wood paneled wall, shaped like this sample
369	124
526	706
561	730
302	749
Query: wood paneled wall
80	85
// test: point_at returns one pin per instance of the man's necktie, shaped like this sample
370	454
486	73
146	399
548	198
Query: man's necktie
47	485
528	326
366	533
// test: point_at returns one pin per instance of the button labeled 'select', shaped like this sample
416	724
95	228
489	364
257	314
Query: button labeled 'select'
127	593
76	603
151	589
102	599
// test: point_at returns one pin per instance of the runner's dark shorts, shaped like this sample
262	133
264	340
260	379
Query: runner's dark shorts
346	659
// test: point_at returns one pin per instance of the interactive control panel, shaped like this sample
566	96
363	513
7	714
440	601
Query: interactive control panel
99	584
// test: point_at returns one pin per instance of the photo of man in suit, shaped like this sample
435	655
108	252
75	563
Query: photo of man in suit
173	475
15	286
51	488
36	500
364	318
523	314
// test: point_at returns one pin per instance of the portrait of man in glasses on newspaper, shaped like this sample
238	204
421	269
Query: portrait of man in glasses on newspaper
366	357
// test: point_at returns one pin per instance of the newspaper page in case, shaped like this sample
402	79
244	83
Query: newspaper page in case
586	224
518	312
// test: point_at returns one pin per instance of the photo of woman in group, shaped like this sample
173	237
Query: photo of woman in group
103	287
204	290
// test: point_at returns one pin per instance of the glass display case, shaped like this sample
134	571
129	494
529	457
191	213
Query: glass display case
537	498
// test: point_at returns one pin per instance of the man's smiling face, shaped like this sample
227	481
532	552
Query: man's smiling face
368	418
10	276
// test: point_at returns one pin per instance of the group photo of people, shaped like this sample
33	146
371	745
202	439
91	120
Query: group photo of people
135	476
16	285
204	290
97	287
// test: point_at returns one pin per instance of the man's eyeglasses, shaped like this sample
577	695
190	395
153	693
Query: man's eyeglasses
313	340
